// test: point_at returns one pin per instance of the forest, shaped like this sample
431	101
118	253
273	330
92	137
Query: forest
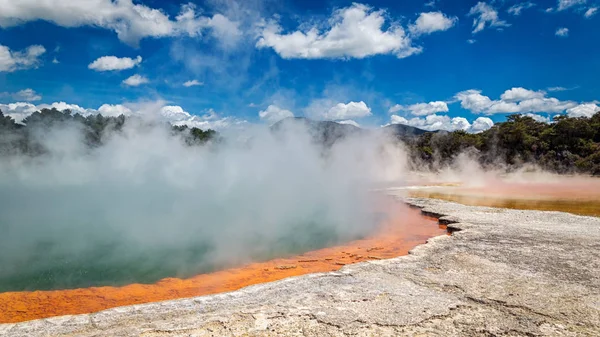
22	138
566	145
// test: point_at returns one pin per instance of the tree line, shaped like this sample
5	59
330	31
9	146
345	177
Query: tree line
20	138
567	145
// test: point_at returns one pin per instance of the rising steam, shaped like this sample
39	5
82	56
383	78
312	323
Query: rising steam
145	205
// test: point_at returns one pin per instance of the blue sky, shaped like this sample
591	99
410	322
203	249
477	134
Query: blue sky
444	64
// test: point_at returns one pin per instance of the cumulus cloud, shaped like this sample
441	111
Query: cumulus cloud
521	94
485	16
352	32
20	110
518	8
27	95
566	4
150	110
112	63
517	100
347	111
431	22
562	32
481	124
583	110
539	118
192	83
11	60
132	22
590	12
274	114
114	110
443	122
135	80
421	109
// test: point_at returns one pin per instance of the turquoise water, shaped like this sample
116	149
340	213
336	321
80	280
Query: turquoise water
118	262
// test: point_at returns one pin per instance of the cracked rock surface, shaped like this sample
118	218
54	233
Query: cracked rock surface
503	273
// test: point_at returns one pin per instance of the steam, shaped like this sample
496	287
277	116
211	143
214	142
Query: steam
145	206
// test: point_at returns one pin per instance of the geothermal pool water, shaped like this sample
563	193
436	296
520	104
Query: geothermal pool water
402	229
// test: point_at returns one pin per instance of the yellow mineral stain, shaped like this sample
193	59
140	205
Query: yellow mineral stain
574	195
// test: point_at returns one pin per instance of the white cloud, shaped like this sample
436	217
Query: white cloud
521	94
174	113
557	89
518	8
353	32
538	118
135	80
395	119
349	122
132	22
565	4
210	120
590	12
443	122
471	41
562	32
430	22
192	83
155	110
61	106
18	111
485	16
473	100
583	110
274	114
27	95
111	63
225	30
55	61
347	111
481	124
515	100
11	60
433	122
421	109
115	110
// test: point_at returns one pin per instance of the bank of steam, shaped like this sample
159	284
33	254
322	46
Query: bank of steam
101	201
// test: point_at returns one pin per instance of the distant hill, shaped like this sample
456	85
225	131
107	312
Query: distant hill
323	132
402	131
328	132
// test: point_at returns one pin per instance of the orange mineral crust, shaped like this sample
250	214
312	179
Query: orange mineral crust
404	229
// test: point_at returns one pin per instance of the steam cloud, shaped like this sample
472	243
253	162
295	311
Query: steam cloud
145	206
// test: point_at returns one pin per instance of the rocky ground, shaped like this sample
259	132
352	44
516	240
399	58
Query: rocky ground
502	273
